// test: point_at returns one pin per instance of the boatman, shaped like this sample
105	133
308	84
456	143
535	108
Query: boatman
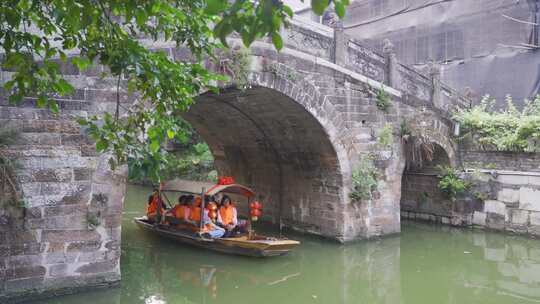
153	202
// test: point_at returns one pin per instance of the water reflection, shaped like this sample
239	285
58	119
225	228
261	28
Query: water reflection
425	264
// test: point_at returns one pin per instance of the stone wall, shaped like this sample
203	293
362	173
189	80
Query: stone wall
69	236
511	161
498	200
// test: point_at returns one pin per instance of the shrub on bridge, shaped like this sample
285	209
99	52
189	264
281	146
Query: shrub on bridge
450	183
364	180
502	130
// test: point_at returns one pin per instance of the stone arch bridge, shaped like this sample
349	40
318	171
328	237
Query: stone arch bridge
295	135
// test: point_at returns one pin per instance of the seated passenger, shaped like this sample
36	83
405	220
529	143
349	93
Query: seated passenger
194	216
209	228
228	217
154	201
177	214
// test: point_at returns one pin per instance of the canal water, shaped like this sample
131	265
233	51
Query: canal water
425	264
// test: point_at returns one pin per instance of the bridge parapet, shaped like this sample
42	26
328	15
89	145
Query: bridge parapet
332	44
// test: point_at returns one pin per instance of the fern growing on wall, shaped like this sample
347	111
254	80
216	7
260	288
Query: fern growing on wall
364	180
382	100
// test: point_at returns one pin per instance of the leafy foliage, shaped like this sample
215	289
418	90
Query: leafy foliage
383	101
505	130
364	179
194	163
450	184
385	136
405	129
236	64
36	35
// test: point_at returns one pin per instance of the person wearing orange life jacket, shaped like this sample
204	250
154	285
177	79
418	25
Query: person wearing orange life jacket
178	213
209	228
228	217
154	201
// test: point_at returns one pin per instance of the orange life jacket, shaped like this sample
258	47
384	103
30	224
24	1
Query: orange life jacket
227	214
152	208
180	211
195	214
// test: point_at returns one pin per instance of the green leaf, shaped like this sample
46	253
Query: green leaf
81	63
214	7
277	41
63	87
319	6
154	145
287	9
82	121
170	134
42	101
340	9
53	106
101	145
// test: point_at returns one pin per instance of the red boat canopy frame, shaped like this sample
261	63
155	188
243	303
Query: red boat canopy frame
212	189
232	189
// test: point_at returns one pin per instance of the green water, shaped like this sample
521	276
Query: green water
425	264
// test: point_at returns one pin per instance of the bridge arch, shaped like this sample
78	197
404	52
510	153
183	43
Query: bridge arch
277	137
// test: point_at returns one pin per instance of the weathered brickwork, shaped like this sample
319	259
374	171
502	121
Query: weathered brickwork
66	185
295	136
498	200
511	161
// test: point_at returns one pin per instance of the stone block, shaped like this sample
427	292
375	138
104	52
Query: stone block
97	267
51	175
69	236
56	247
58	270
66	222
491	206
519	217
533	230
25	272
513	179
529	199
495	221
83	246
479	218
60	257
80	174
534	180
23	260
24	284
508	195
535	218
96	256
26	248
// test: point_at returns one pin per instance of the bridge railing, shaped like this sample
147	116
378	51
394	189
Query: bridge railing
334	45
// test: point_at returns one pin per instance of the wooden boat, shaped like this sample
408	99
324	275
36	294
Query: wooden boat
249	244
